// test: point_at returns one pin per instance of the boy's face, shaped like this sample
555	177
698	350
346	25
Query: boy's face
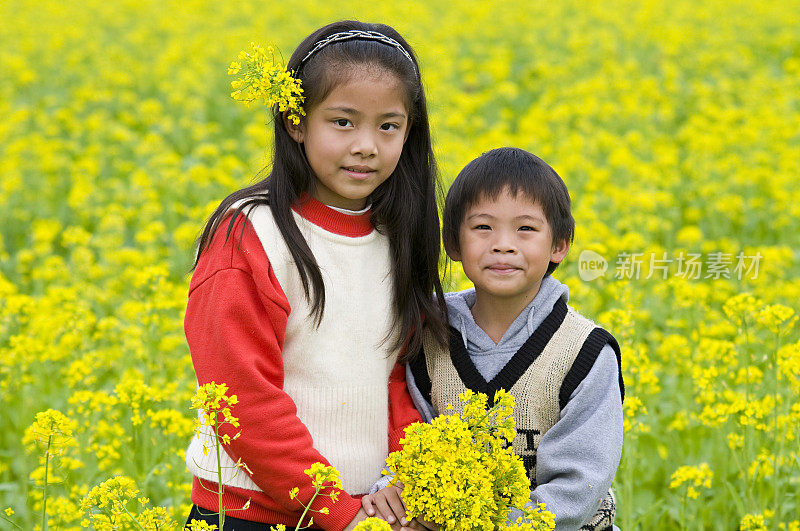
506	247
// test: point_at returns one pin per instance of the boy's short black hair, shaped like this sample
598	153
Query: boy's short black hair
518	171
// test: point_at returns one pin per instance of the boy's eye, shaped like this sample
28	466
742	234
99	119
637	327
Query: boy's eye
342	122
527	227
483	227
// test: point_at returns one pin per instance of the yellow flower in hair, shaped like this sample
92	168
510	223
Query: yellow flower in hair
262	77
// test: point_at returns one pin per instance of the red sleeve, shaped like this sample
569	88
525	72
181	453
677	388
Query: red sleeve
235	325
401	408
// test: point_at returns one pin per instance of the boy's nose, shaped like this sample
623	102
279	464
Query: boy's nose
504	249
504	244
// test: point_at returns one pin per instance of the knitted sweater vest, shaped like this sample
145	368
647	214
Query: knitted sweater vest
541	376
335	373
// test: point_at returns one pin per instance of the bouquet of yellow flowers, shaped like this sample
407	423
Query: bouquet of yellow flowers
460	471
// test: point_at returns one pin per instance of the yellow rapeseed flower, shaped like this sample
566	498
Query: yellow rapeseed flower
740	308
755	522
693	477
213	402
324	476
372	524
52	431
262	77
777	318
202	525
459	471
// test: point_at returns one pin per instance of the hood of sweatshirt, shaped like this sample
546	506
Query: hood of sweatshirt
480	345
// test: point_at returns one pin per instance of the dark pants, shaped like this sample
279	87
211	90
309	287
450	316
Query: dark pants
231	523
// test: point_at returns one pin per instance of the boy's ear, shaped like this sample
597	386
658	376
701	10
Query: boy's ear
296	131
560	249
453	254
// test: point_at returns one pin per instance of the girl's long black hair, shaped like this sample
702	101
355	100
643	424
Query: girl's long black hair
404	207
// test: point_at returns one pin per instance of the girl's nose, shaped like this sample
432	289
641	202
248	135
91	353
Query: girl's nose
364	145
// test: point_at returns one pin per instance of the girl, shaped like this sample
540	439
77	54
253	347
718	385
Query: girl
327	280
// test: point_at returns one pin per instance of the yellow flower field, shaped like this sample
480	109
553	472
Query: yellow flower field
676	126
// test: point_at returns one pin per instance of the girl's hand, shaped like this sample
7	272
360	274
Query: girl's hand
424	524
361	516
387	503
417	525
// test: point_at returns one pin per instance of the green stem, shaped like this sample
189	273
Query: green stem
739	466
747	431
44	493
133	519
628	505
220	488
307	508
776	476
683	510
10	522
486	415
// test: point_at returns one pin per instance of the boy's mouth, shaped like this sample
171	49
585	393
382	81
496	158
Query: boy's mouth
503	269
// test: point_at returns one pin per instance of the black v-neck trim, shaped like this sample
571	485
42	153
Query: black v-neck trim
516	366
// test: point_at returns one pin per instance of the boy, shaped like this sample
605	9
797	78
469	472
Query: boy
507	220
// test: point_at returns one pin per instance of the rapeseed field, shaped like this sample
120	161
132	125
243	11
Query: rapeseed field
676	126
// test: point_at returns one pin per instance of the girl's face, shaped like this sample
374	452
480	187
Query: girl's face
353	138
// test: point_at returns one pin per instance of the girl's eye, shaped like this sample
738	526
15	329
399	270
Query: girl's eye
389	127
482	227
342	122
526	227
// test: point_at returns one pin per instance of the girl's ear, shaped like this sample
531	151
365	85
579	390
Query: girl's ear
296	131
408	130
560	249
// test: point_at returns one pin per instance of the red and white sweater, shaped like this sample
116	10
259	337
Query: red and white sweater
331	393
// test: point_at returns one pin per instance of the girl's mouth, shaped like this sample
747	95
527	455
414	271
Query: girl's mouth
359	172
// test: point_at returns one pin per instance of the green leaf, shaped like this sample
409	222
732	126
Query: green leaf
736	498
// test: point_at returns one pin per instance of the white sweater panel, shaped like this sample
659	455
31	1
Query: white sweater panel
337	374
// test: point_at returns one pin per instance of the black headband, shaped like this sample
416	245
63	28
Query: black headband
357	35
